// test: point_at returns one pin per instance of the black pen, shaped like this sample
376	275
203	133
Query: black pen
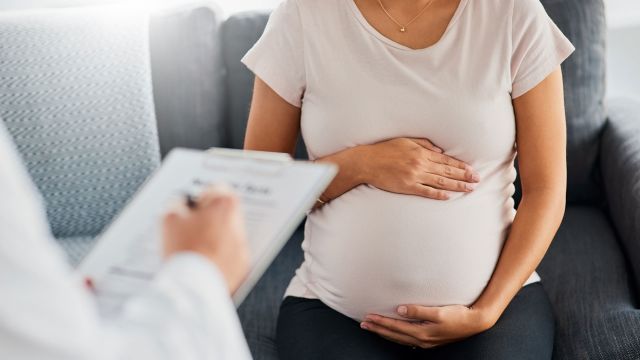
191	201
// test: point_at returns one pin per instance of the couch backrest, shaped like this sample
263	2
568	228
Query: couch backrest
75	93
188	76
238	34
583	21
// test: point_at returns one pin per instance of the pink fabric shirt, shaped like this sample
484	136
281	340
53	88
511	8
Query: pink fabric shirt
369	250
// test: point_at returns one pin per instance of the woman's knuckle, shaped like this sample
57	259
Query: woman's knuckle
430	167
430	156
407	180
429	192
414	162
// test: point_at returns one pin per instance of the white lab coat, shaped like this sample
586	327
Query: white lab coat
45	314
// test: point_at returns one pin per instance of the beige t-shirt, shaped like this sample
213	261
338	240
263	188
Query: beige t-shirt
369	250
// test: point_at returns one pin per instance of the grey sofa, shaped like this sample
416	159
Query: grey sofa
592	271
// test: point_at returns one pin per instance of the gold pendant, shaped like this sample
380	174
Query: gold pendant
402	29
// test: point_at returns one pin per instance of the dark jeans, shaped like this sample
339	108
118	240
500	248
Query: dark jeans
308	329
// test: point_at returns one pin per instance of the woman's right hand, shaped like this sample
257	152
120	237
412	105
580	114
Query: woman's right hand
415	167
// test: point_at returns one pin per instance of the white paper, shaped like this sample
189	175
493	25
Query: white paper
275	195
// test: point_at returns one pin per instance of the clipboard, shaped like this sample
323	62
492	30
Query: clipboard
275	192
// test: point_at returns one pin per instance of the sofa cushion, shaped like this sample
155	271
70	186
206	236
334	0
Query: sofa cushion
259	312
75	93
239	33
586	277
620	164
583	22
188	76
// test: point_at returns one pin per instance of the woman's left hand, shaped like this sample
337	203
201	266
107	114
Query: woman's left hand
428	327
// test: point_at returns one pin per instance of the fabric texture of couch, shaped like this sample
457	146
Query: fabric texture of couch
188	76
75	93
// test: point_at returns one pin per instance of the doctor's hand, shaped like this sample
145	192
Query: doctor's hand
213	227
416	167
427	327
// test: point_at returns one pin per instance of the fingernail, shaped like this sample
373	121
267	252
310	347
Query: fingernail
402	310
470	186
475	177
364	326
439	150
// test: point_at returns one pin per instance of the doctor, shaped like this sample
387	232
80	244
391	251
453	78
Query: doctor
186	313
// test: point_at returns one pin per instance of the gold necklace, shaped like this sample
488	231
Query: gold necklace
403	28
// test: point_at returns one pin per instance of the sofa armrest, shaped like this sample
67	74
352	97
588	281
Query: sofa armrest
620	170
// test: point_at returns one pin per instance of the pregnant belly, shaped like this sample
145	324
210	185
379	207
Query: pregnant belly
370	250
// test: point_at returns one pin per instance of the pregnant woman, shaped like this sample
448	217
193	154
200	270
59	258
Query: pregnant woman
415	251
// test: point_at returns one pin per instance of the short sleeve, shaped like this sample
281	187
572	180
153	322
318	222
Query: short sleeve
538	46
278	56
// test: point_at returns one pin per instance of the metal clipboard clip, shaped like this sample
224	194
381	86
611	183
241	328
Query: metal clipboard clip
256	162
